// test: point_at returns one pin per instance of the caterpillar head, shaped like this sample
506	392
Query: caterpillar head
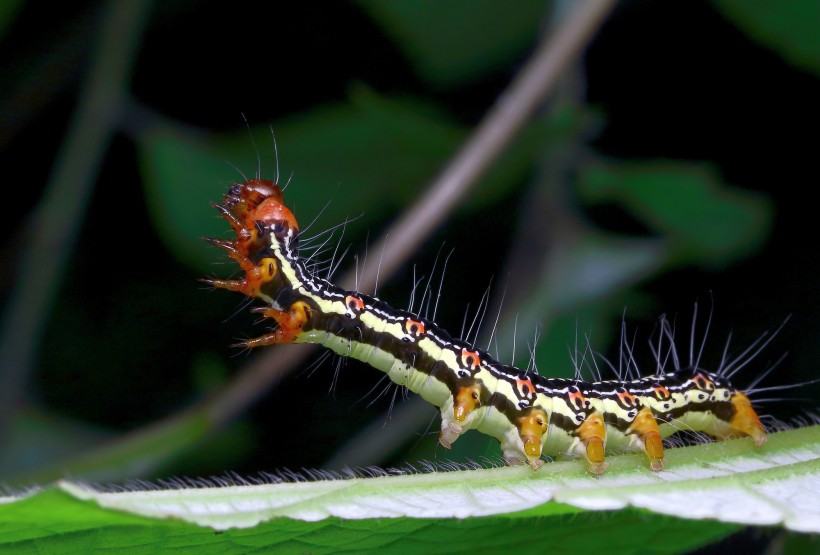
260	200
254	209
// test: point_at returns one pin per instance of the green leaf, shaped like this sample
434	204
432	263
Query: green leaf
53	521
702	220
8	13
461	40
789	27
718	486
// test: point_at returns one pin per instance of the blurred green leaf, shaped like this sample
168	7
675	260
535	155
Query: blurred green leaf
135	454
789	27
461	40
36	436
702	220
8	12
366	158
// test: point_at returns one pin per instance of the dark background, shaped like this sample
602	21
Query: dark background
132	337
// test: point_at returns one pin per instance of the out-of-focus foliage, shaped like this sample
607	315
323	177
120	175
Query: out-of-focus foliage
460	41
386	147
788	27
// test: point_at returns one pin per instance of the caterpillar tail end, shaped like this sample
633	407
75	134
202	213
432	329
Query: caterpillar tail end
745	420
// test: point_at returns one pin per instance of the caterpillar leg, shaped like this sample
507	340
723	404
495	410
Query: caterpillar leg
256	275
237	224
647	435
526	447
592	442
514	457
455	418
290	323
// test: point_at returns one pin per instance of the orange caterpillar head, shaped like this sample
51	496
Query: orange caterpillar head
258	200
253	208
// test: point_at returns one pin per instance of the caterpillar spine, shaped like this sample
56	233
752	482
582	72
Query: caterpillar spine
530	415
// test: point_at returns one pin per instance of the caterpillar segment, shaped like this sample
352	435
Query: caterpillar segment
531	416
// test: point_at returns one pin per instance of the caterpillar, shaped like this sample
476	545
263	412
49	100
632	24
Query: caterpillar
530	415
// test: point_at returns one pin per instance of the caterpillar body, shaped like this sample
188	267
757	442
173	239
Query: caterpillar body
529	414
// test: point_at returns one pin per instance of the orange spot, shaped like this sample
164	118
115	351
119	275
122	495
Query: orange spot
576	399
627	398
414	327
703	383
470	359
525	386
661	392
354	304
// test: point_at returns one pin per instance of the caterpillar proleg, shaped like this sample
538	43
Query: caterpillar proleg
529	414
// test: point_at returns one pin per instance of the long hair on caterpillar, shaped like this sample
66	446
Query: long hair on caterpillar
528	414
667	356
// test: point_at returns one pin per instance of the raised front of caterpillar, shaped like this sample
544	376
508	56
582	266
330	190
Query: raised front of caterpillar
529	415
